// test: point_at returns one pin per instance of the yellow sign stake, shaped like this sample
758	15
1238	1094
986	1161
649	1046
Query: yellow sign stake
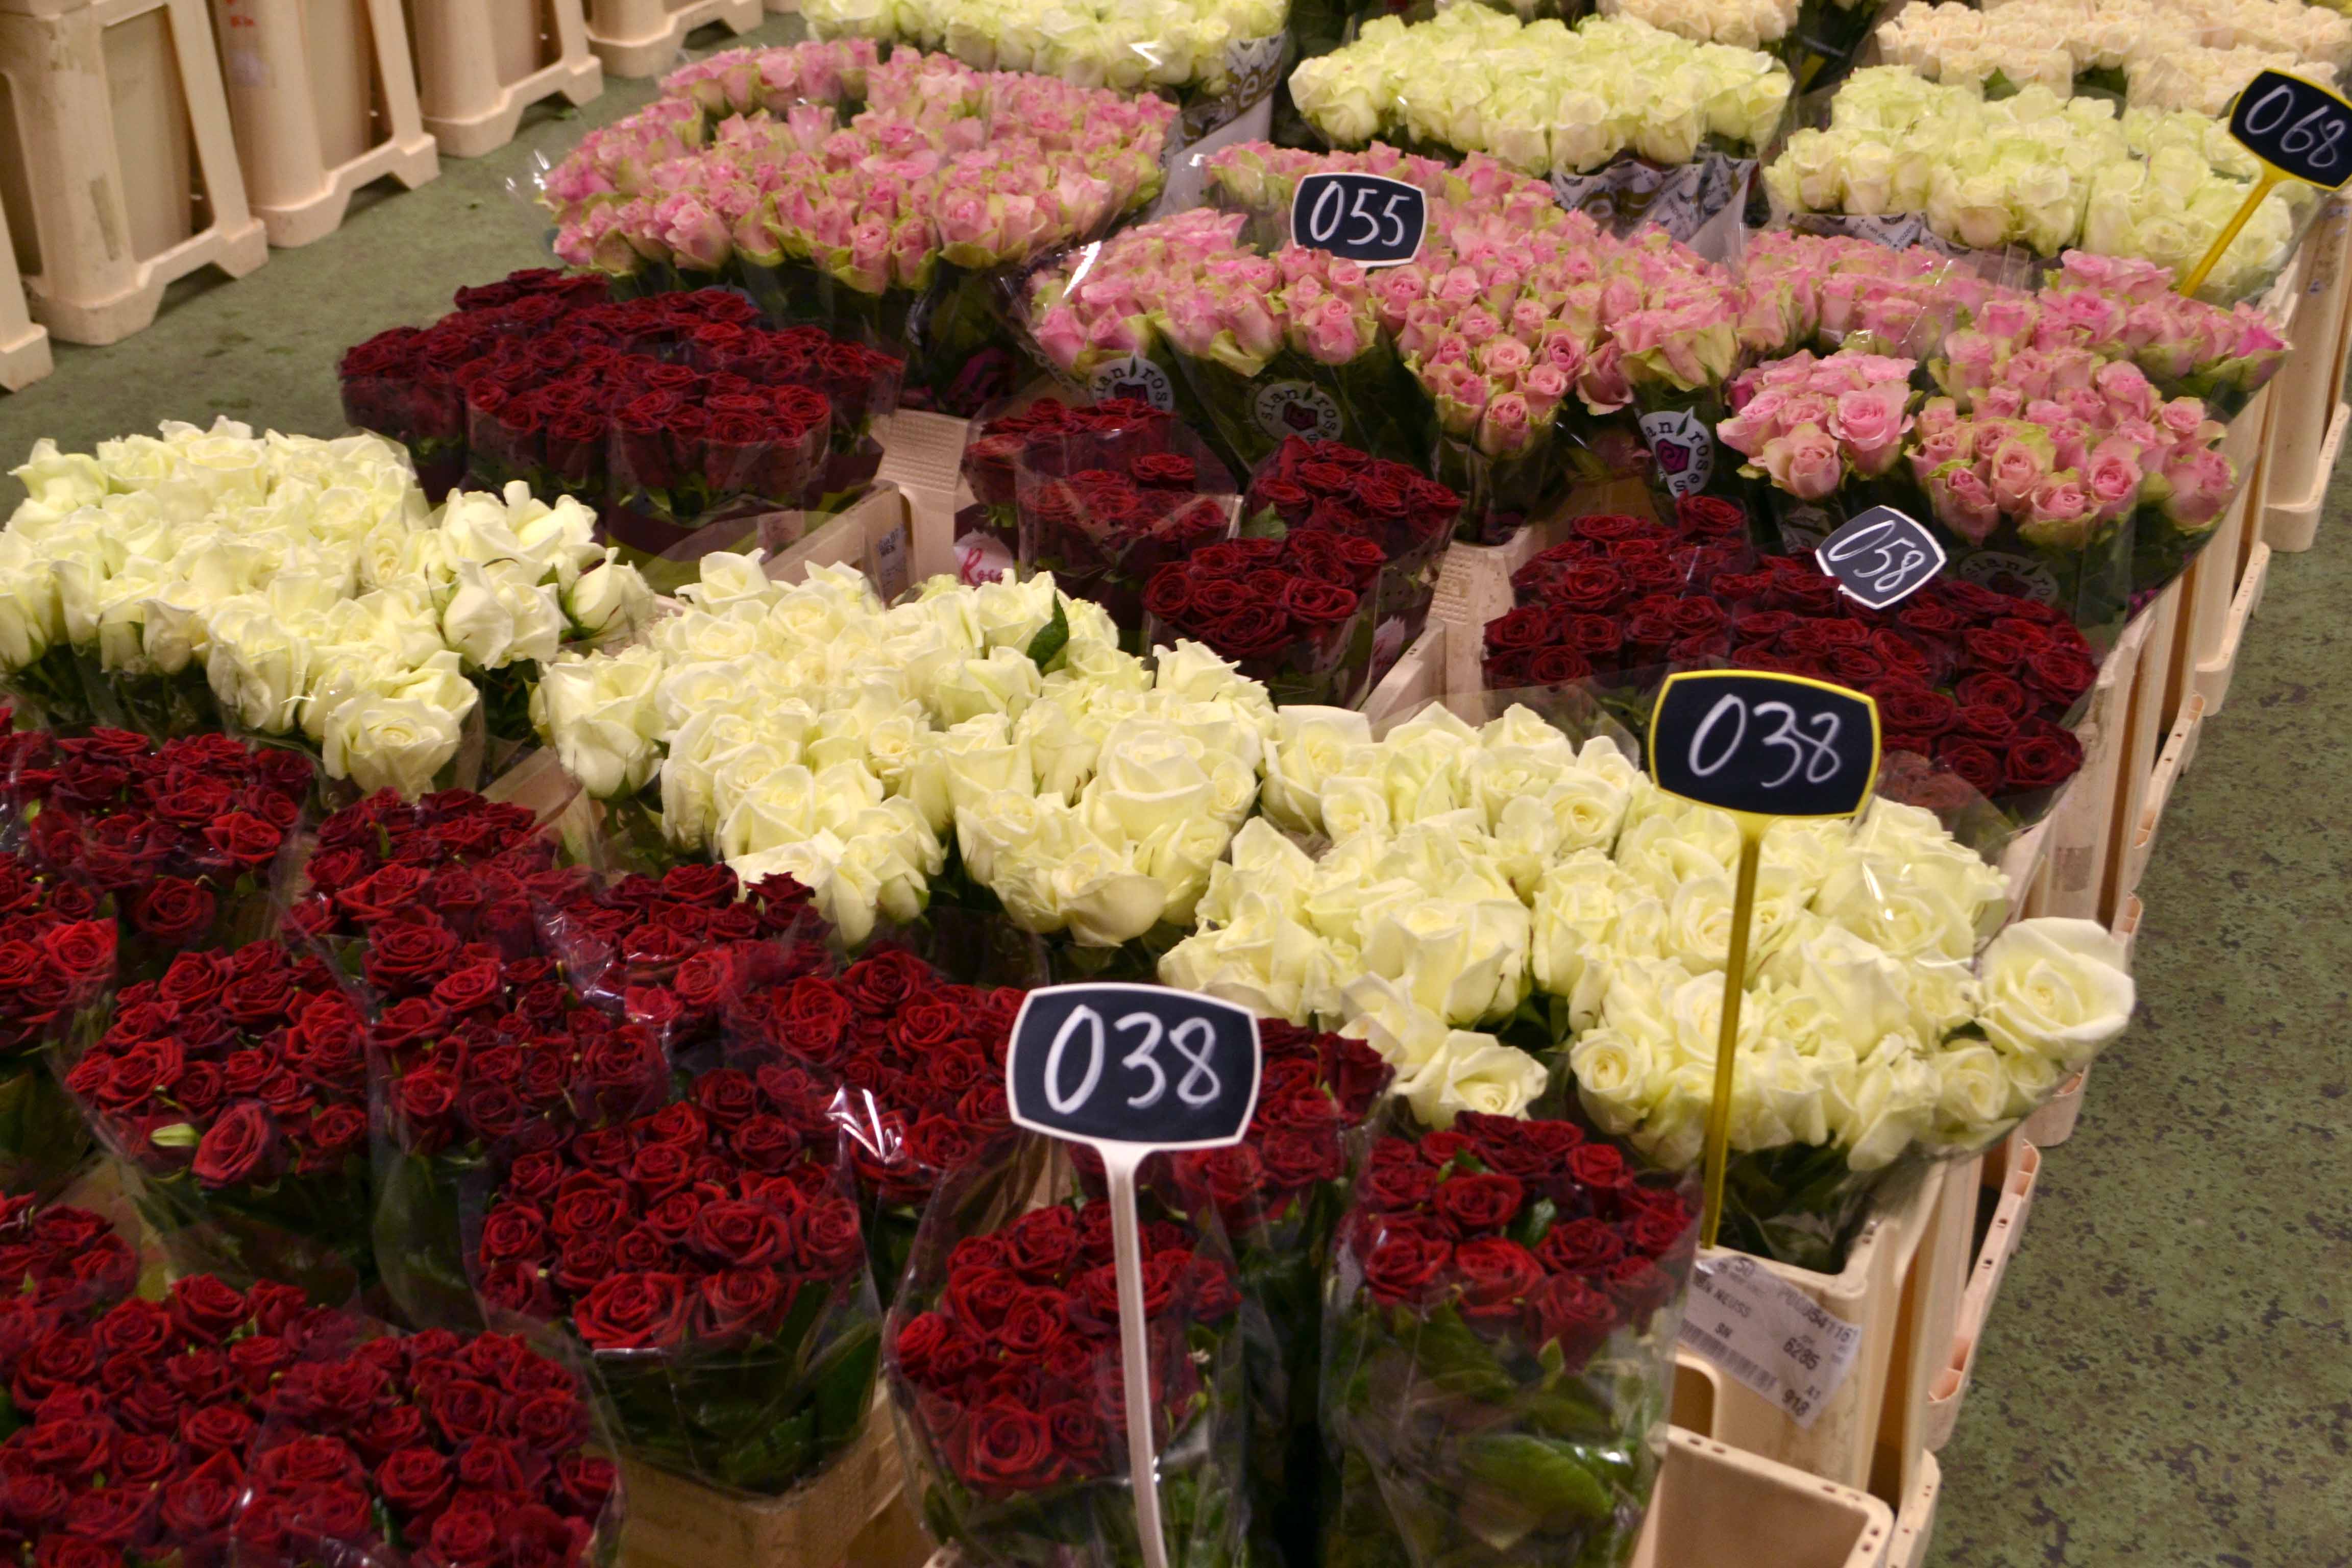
1727	1045
2262	188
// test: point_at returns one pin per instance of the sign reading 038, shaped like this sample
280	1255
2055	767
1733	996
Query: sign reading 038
1767	744
1143	1065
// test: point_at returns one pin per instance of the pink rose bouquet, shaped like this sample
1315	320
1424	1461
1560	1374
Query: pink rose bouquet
2129	310
1810	425
753	168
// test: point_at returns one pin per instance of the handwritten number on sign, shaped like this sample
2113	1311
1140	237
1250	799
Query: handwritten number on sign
1769	744
2315	137
2300	129
1815	755
1195	1039
1881	557
1891	562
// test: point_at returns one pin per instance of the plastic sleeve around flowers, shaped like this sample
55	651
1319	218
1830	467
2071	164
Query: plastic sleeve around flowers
1496	1400
297	1509
1016	1444
1105	511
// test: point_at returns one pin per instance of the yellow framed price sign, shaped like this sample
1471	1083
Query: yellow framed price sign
2297	130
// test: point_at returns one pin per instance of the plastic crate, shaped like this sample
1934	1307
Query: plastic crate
118	167
481	63
646	38
1915	1526
2307	412
2217	666
2012	1170
2179	750
24	345
323	100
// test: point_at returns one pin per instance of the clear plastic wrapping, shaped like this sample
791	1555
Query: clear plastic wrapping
58	943
1007	1378
708	1255
1499	1347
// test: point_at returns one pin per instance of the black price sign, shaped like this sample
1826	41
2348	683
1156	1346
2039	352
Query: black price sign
1881	557
1770	745
1366	218
2302	131
1144	1065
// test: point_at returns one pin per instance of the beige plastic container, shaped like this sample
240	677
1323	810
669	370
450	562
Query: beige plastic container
1415	681
2081	827
1870	1293
480	63
2147	731
843	1515
644	38
323	101
2013	1170
117	167
24	345
922	454
2308	413
882	536
2179	750
1915	1526
2219	663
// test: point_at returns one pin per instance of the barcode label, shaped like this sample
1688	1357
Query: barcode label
1768	1334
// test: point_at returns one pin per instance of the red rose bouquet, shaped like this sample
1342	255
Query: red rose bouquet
222	1427
1975	688
1498	1342
1295	612
708	1254
1323	485
1007	1371
1105	511
921	1065
1278	1194
189	837
57	963
237	1085
55	1259
476	864
432	1449
988	531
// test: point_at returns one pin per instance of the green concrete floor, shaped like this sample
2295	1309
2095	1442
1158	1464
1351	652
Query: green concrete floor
2167	1377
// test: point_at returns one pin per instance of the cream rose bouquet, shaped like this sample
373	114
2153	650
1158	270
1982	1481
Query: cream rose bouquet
1494	895
1556	102
1216	57
990	739
298	588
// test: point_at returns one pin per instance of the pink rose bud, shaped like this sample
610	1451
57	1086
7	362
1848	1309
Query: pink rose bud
1964	505
2016	469
1870	427
1804	462
2202	483
1506	427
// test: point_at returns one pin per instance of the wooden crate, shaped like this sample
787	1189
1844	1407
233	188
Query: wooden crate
2012	1170
852	1513
117	165
2179	750
481	63
323	100
1415	681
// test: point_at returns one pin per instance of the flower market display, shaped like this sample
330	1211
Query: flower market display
297	588
1460	362
882	225
1558	103
2194	57
58	951
682	423
1215	57
2039	172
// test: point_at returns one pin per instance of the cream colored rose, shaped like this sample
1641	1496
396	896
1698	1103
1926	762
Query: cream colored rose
396	744
1476	1073
2054	988
1307	745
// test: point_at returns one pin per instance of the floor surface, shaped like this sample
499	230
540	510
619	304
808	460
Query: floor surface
2167	1380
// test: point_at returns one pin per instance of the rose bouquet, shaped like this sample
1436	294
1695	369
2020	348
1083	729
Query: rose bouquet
886	226
1215	57
2038	172
1278	1195
57	963
988	531
1498	1340
1832	291
2068	475
1323	485
236	1084
1297	613
708	1254
683	423
1972	683
469	1452
1007	1371
805	728
59	1258
921	1065
222	1427
188	839
2196	56
1737	23
1105	511
1624	118
297	588
2187	347
1823	431
470	860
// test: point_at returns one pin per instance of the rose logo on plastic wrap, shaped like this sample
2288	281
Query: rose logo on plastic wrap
1287	408
1684	447
2020	576
1133	377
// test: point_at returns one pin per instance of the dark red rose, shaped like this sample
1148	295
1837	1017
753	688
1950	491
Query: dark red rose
826	1237
1580	1246
634	1311
1639	1287
1010	1447
1569	1311
170	910
1405	1263
242	1146
2044	760
417	1482
1977	765
1472	1206
739	1234
1495	1274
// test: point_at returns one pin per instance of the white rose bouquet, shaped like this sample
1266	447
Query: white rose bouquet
1544	98
806	728
1492	894
295	587
1216	57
